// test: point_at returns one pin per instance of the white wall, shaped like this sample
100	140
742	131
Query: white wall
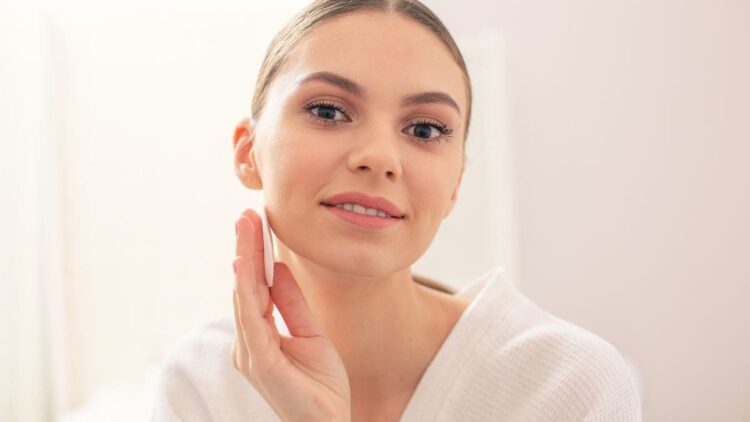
30	312
142	101
150	96
631	139
629	133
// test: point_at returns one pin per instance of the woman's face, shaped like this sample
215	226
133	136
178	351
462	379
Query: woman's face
316	139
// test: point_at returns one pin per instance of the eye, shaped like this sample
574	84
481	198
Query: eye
424	130
326	112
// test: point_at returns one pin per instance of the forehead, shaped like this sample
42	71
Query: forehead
385	53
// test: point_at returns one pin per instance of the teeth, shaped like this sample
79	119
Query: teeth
359	209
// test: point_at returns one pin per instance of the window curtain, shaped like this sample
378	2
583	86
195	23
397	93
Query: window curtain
32	340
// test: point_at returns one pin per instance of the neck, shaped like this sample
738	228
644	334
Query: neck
379	325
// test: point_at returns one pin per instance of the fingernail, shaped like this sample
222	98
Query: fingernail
234	267
236	229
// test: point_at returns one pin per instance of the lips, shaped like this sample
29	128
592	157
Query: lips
365	200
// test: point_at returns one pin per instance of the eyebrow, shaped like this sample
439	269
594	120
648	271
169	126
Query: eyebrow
352	87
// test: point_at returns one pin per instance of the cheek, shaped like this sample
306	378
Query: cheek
430	186
283	148
300	163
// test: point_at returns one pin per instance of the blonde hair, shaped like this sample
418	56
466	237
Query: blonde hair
320	11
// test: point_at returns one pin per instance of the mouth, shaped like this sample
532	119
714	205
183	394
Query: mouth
363	211
364	204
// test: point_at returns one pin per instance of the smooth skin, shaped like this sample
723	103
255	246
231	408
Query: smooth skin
302	377
385	328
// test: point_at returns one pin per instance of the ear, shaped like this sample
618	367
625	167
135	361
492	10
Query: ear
455	193
245	165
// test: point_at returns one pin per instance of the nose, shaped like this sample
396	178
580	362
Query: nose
377	152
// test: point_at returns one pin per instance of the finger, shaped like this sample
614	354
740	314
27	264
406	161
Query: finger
292	304
239	351
257	246
245	237
261	333
268	315
240	355
250	244
257	338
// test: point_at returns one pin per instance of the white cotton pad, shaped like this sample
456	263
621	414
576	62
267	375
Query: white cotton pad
267	248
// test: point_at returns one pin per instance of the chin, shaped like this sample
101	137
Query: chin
350	255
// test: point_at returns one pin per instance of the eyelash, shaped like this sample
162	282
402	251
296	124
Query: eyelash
443	129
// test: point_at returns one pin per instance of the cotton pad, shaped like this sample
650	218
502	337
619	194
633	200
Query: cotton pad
267	248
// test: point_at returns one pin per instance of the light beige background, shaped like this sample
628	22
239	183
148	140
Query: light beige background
610	150
631	140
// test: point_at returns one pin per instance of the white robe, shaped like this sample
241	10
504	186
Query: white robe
506	359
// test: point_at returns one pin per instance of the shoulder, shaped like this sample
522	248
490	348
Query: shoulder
577	367
197	378
560	347
558	369
205	344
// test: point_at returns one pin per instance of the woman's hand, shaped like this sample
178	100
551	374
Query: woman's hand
302	377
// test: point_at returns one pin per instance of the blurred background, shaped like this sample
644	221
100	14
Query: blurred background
607	172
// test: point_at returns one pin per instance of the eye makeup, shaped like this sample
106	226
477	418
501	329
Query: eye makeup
334	109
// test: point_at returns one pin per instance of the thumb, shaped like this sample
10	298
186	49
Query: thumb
292	304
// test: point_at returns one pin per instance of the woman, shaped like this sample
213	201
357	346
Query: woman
363	107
